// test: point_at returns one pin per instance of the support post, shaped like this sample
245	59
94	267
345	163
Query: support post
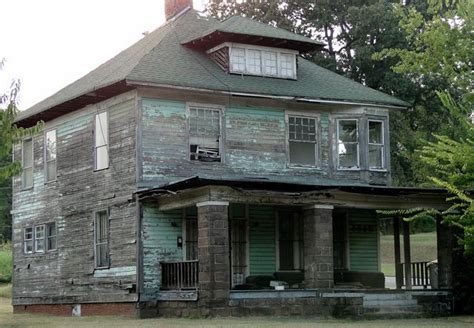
407	253
398	262
318	247
444	241
213	251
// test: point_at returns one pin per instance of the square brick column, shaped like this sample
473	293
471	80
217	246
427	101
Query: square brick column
213	251
318	247
445	241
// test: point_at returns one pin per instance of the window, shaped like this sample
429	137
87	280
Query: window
287	65
28	240
290	240
238	243
39	238
191	234
50	155
237	60
205	134
51	236
27	163
302	140
101	239
376	145
348	144
270	63
101	141
254	62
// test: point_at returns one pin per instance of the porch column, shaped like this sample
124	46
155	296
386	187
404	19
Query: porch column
213	251
407	253
444	240
318	247
396	244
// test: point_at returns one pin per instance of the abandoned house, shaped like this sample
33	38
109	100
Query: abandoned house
210	169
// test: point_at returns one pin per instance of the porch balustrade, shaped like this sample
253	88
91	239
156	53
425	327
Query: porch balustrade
420	274
179	275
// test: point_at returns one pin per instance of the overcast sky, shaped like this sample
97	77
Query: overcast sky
48	44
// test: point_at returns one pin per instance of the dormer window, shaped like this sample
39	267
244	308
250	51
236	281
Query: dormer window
255	60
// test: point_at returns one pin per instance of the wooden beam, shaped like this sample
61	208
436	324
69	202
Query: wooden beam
407	253
396	242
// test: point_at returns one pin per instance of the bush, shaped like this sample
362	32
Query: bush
5	263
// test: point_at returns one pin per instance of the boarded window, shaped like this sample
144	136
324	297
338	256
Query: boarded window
101	239
101	141
205	134
302	140
237	60
290	240
348	144
51	236
376	145
28	240
50	155
39	238
27	163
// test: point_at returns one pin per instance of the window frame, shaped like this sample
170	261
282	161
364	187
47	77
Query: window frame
107	142
221	110
384	167
48	236
45	238
343	168
46	162
32	239
23	186
317	160
96	213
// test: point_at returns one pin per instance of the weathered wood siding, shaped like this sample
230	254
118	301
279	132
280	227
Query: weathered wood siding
262	248
255	142
67	275
363	244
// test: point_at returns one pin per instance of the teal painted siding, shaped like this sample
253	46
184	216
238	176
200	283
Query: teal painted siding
262	240
363	240
160	231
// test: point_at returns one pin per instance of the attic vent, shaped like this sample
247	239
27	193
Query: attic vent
205	134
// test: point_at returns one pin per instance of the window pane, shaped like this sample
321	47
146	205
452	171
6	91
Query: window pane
39	232
101	129
287	65
238	60
39	245
27	153
302	129
375	156
375	132
51	171
28	246
348	155
50	145
302	153
102	238
28	233
51	235
27	178
270	63
102	158
254	62
347	131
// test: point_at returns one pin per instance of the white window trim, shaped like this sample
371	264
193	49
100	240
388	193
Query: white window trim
23	187
46	162
36	238
376	169
317	161
32	239
107	141
339	168
221	110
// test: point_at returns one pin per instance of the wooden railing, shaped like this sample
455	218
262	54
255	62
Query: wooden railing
420	274
179	275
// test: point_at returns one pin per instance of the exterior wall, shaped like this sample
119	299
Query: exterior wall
363	246
254	137
67	275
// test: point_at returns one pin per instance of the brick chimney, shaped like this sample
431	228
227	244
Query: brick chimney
173	7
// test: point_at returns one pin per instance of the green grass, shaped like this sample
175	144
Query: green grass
423	248
6	290
5	263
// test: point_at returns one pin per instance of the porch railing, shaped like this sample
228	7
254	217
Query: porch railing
179	275
420	274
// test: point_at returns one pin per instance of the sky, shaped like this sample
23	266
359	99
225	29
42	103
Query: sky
48	44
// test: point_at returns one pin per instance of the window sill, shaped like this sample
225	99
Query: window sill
304	167
348	169
27	188
378	170
50	182
99	170
102	268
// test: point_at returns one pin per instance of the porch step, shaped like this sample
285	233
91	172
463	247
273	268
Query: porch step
391	306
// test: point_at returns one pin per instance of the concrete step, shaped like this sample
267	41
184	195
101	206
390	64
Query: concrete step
389	303
393	309
381	297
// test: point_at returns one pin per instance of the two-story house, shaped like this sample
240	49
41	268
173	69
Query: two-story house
209	169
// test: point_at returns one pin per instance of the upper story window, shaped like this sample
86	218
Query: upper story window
205	134
261	61
376	145
348	144
101	239
302	140
27	164
50	155
101	149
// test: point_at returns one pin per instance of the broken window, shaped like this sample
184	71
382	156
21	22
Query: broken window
376	145
302	140
50	155
27	164
51	236
101	141
28	240
205	134
290	240
348	144
101	239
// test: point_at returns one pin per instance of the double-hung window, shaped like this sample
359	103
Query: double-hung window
205	134
51	236
28	240
101	130
101	239
27	164
376	145
50	155
237	60
302	140
40	238
348	144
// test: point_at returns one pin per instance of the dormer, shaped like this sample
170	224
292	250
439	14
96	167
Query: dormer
242	46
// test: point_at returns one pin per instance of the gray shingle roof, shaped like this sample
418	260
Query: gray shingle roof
160	58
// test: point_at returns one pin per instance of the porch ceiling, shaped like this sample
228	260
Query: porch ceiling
188	192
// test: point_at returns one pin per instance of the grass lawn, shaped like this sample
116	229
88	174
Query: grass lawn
5	263
423	248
